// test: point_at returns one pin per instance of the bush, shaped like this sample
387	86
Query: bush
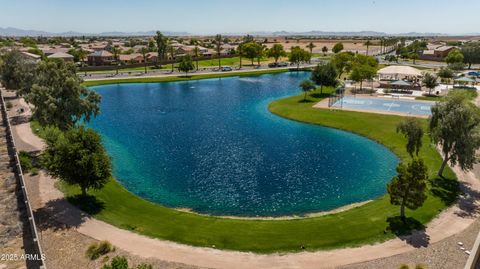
119	262
96	250
420	266
25	161
8	105
404	266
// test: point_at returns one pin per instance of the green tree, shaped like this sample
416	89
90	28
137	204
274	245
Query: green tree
276	51
337	48
471	53
325	75
306	85
16	73
430	82
455	59
446	74
218	49
413	131
162	45
363	68
250	50
299	55
407	188
454	127
78	157
186	64
59	98
324	50
414	56
343	62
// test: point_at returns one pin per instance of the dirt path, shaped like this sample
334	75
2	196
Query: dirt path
448	223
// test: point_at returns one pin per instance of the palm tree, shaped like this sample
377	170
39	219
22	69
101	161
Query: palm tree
144	52
218	48
310	46
430	81
324	50
240	52
116	52
81	57
196	54
171	50
368	44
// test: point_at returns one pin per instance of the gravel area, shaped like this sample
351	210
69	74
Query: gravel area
65	248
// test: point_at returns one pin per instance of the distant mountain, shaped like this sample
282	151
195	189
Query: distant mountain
349	34
10	31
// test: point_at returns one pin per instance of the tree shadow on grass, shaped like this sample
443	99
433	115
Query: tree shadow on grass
446	189
306	101
60	214
320	95
409	230
88	204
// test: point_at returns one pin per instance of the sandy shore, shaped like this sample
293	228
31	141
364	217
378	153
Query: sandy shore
450	222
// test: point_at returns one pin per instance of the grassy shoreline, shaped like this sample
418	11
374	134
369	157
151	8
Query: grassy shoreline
89	83
362	225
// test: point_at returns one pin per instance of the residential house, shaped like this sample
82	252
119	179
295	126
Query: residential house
133	58
61	55
31	57
100	57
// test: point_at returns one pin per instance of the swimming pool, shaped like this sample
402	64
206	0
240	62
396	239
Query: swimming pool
213	147
407	107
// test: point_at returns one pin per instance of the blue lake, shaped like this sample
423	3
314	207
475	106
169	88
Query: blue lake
213	147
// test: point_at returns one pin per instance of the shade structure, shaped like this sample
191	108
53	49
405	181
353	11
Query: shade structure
400	71
400	83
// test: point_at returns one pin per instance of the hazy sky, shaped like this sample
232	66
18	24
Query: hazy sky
213	16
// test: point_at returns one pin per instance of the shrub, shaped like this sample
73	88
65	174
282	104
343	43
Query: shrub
96	250
420	266
404	266
25	161
8	105
144	266
119	262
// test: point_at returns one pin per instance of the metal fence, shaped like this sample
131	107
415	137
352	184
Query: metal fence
19	174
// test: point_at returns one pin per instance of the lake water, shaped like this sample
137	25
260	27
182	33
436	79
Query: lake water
213	147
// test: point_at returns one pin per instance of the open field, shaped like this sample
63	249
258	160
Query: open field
352	45
369	222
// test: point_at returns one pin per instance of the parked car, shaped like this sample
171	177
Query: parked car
272	65
226	68
474	74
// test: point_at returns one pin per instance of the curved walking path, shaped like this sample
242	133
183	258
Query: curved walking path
449	222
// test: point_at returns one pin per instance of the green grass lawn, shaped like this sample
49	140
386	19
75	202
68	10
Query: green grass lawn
233	61
182	77
362	225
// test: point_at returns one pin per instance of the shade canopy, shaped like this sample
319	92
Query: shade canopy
400	70
400	83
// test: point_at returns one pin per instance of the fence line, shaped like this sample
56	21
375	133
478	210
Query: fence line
19	173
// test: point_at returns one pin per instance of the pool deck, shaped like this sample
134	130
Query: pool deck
324	105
